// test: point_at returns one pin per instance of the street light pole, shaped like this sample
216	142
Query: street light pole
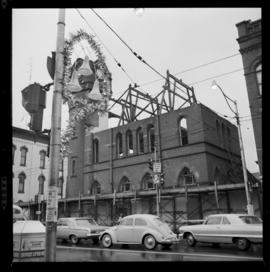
55	143
250	208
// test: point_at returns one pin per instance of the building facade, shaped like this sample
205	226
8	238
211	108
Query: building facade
31	171
199	152
249	40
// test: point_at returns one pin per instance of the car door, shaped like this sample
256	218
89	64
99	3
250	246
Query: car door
65	228
62	229
140	226
124	230
225	230
209	231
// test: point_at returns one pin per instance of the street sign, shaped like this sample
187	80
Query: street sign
157	167
156	179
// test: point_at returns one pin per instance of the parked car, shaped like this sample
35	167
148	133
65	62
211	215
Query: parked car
239	229
77	228
145	229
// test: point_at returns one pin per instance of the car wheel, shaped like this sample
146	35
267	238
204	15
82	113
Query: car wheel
166	246
149	242
190	240
107	240
242	244
74	239
95	241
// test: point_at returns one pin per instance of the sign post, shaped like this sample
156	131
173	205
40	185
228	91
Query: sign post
55	143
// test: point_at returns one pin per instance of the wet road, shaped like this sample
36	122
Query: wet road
85	251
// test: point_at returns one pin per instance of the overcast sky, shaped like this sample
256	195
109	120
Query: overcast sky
174	39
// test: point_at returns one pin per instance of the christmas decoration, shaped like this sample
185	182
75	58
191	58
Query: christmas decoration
79	80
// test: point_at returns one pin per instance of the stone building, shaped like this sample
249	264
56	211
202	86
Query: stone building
249	39
31	171
200	158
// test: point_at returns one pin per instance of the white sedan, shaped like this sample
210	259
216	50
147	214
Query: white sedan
239	229
146	229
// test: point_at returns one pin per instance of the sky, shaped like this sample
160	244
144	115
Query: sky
174	39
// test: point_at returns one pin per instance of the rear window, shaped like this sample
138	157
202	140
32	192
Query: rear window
82	222
250	219
213	220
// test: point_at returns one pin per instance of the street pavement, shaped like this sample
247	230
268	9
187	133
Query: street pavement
85	251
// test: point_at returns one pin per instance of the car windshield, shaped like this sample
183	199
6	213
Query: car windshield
250	219
83	222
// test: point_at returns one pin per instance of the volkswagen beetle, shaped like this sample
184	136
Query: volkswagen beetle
146	229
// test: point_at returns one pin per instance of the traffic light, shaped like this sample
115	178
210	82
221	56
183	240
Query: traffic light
162	178
150	164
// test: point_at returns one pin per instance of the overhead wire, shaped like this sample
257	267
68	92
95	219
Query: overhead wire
194	68
117	62
190	69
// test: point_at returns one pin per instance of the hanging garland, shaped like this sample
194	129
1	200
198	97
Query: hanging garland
81	106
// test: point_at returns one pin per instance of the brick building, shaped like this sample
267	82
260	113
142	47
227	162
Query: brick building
31	171
199	152
249	40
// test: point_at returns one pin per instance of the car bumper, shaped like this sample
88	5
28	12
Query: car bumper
92	236
170	241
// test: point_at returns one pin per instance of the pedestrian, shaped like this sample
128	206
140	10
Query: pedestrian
120	218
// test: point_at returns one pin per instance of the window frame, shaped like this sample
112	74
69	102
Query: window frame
41	181
182	129
95	150
24	151
21	184
140	140
42	163
129	142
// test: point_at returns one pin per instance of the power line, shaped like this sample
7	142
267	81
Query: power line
194	68
133	52
234	71
117	62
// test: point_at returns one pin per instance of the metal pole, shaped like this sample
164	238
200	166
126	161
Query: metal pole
157	196
55	143
250	208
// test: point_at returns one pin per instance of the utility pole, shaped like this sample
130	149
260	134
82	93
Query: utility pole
55	143
250	208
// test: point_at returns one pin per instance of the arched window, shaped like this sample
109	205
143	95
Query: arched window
13	152
218	132
22	178
151	137
186	177
95	151
95	188
73	167
129	141
41	180
259	77
23	150
147	182
60	186
223	135
140	140
124	185
119	145
42	154
183	132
